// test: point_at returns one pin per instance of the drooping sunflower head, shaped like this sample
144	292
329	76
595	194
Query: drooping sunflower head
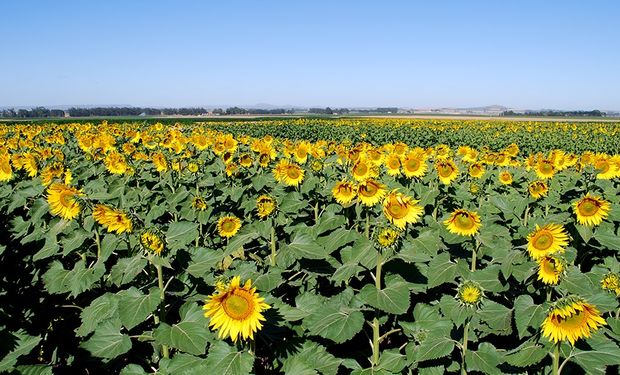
344	192
550	268
476	170
63	202
228	226
265	206
152	242
199	203
112	219
386	238
505	177
447	171
235	311
463	222
591	210
546	240
401	210
469	293
538	189
571	318
370	192
611	282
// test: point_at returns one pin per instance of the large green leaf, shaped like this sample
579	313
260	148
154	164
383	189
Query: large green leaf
102	308
107	342
335	322
441	270
134	306
226	360
435	347
393	298
188	336
180	234
527	314
24	345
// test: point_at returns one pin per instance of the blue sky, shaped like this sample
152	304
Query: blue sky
523	54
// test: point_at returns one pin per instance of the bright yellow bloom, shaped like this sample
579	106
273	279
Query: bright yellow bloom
611	282
505	178
199	203
228	226
538	189
112	219
62	202
571	318
414	165
447	171
363	170
392	164
387	237
6	172
159	161
265	205
545	169
463	222
549	269
344	192
151	242
546	240
591	210
235	310
370	192
476	170
401	210
469	293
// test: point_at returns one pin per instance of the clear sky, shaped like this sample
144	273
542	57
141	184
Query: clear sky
522	54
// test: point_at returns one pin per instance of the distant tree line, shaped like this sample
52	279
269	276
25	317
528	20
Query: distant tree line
32	113
328	111
379	110
42	112
594	113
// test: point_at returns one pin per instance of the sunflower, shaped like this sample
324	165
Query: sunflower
112	219
363	170
387	237
192	167
246	160
228	226
591	210
538	189
545	169
463	222
199	203
469	293
605	168
549	269
159	161
476	170
61	199
151	242
344	192
611	282
265	205
447	171
401	210
571	318
505	177
293	175
370	192
235	310
546	240
392	164
6	172
414	165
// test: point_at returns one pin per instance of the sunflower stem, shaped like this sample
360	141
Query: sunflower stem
367	230
273	244
375	323
98	242
526	215
199	234
316	212
464	348
556	359
162	307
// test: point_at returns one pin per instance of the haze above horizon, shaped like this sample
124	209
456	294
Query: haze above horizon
560	55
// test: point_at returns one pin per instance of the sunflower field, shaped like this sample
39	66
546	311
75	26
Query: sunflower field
310	246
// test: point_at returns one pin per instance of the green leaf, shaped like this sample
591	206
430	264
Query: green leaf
180	234
527	314
185	364
392	360
335	322
393	299
107	342
435	347
35	370
497	317
204	261
441	270
190	337
312	356
605	354
134	306
485	359
133	369
102	308
605	236
423	248
126	269
226	360
526	354
24	345
304	246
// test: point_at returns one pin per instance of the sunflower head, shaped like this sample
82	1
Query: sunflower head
476	170
550	267
265	206
112	219
199	203
463	222
344	192
401	210
370	192
447	171
611	282
235	310
414	165
63	201
505	177
571	318
228	226
538	189
546	240
387	238
469	293
591	210
152	242
545	169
